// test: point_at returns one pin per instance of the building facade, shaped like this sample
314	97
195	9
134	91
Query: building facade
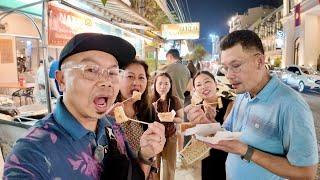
244	21
270	30
301	24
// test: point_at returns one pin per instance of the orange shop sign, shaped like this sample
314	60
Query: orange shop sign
64	23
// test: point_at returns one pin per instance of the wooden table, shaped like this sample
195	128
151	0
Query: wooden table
17	85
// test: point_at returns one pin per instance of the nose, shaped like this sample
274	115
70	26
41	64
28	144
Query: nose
229	74
104	82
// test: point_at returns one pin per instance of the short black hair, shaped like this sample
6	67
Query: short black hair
247	39
174	52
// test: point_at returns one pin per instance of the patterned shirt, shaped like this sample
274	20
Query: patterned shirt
58	147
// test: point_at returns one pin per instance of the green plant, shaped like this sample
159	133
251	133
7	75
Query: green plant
104	2
277	62
151	64
198	53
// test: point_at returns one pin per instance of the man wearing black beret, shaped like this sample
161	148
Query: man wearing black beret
77	141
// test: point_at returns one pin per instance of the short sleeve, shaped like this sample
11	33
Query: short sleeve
299	138
53	68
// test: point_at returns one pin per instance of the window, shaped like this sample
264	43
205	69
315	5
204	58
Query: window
294	70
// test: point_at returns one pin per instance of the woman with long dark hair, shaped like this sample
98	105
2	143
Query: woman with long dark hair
135	78
216	109
165	102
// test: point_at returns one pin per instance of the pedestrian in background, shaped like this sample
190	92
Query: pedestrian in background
163	101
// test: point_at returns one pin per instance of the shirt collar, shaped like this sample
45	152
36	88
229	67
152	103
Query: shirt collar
64	118
267	89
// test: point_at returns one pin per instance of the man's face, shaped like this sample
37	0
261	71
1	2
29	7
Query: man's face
243	68
89	83
169	58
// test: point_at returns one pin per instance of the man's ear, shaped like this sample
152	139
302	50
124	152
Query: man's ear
61	81
261	62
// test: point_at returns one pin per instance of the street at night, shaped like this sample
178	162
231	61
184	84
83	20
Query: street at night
160	89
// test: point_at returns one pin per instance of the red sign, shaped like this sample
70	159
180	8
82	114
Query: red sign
297	15
64	24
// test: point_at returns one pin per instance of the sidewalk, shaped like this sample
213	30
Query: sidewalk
189	173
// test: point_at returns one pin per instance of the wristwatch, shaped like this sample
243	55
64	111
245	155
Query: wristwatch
247	156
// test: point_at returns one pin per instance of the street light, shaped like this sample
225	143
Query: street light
214	41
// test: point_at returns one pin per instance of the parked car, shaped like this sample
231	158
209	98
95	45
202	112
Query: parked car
301	77
276	71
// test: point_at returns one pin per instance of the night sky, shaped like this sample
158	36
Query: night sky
213	15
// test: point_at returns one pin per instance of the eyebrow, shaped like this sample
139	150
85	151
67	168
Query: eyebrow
141	74
233	61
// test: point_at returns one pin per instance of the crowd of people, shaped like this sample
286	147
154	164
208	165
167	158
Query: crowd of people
82	138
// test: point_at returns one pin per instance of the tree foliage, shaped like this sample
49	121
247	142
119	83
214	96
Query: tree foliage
104	2
198	53
151	11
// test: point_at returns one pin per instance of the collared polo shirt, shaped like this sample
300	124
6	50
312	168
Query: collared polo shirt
277	121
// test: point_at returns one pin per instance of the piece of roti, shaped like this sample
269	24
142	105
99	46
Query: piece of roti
120	115
196	99
136	95
167	116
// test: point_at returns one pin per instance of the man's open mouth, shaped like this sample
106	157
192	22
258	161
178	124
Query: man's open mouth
100	103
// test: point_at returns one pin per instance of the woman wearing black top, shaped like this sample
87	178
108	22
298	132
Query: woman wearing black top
215	109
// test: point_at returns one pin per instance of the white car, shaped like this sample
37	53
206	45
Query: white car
301	77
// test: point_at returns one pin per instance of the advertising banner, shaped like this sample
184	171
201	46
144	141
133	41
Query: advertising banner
181	31
64	24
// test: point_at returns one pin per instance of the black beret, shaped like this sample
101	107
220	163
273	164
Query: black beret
121	49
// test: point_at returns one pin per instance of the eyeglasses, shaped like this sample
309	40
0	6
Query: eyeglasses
94	72
235	67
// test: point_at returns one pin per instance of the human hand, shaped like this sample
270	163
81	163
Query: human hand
210	112
152	140
196	115
231	146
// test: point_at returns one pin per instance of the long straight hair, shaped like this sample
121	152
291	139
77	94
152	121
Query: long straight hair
156	95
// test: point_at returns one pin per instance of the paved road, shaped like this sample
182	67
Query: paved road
313	100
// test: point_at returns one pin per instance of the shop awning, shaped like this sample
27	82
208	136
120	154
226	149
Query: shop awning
121	10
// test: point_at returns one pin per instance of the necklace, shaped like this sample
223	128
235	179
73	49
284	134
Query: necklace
99	152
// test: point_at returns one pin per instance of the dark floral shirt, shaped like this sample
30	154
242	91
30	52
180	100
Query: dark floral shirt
58	147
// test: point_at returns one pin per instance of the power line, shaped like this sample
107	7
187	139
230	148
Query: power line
183	10
188	10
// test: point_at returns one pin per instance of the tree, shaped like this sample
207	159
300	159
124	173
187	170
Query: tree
198	53
151	11
277	62
104	2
